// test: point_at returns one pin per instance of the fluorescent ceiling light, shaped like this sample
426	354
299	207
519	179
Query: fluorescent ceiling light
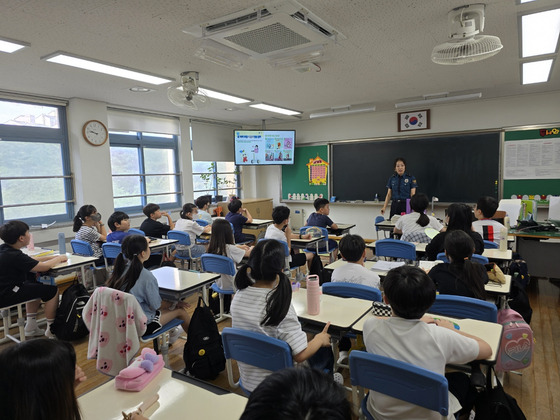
10	45
540	33
223	96
276	109
429	100
335	112
98	66
525	1
536	71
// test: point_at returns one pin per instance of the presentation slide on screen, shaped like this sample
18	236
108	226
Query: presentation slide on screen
264	147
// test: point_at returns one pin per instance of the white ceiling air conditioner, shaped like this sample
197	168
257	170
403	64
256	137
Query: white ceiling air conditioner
273	29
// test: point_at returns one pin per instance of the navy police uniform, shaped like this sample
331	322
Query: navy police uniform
400	191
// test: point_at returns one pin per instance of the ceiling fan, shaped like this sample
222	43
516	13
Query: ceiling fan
466	44
187	94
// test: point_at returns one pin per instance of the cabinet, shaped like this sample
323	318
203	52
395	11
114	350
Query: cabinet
260	208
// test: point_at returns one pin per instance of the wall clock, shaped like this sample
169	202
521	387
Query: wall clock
95	132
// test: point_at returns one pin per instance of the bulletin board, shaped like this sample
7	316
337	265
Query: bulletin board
296	177
531	162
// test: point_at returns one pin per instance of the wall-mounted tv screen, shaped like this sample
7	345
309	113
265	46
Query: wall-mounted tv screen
264	147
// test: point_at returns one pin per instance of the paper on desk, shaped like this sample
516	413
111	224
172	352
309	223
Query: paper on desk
428	265
554	208
386	265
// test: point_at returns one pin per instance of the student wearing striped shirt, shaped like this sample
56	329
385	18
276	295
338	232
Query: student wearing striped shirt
263	304
89	228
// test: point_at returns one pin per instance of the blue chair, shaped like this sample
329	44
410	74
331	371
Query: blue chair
80	247
352	290
160	339
202	223
254	349
481	259
212	263
111	250
490	245
379	219
184	239
464	307
323	247
395	248
396	379
133	231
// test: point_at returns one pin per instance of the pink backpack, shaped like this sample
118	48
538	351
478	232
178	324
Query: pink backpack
516	347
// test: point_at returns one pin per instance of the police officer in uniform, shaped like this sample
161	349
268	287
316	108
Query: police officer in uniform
399	187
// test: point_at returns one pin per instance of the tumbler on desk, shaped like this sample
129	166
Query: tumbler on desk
31	244
61	244
313	294
503	239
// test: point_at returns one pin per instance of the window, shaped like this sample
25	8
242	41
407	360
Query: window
35	176
215	178
144	168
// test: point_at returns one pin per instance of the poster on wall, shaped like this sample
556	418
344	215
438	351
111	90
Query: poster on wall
532	159
317	171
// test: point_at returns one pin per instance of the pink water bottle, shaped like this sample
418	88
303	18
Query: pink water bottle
313	294
31	245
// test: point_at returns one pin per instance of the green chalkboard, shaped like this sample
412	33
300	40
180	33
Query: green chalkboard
531	186
295	178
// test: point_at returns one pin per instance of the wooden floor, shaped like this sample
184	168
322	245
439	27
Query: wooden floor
537	390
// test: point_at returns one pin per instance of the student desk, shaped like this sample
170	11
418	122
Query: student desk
179	397
161	243
305	243
386	225
258	224
341	312
74	262
489	331
540	250
175	284
341	230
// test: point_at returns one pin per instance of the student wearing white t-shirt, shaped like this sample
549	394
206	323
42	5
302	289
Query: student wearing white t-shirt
353	250
489	229
263	304
187	224
222	243
412	337
281	231
413	226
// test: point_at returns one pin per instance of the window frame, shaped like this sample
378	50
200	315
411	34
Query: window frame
215	174
140	141
32	135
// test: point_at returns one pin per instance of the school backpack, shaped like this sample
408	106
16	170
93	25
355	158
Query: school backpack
518	270
516	346
204	353
68	323
496	404
519	301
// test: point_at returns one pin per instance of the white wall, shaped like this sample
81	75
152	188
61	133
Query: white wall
527	110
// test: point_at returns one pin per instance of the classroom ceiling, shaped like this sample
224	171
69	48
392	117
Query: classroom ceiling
384	59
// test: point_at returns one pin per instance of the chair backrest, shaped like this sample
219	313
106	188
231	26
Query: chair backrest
442	257
221	264
202	222
400	380
256	349
481	259
133	231
81	247
353	290
379	219
395	248
464	307
490	244
111	249
182	237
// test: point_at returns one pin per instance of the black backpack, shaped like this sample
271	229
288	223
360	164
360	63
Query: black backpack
518	270
496	404
69	324
204	353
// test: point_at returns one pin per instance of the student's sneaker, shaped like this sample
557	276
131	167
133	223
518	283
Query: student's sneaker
174	334
37	332
342	357
49	334
338	378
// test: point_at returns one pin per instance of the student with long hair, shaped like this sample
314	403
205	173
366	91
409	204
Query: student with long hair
37	380
133	278
460	276
187	224
89	228
459	217
223	243
413	226
263	304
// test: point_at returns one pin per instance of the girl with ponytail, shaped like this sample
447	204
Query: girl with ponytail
263	304
89	228
460	276
130	276
186	223
412	226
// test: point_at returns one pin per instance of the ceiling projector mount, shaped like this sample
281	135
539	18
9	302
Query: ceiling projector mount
466	44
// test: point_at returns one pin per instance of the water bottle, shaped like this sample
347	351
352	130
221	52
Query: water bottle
61	244
503	239
313	294
31	245
376	199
